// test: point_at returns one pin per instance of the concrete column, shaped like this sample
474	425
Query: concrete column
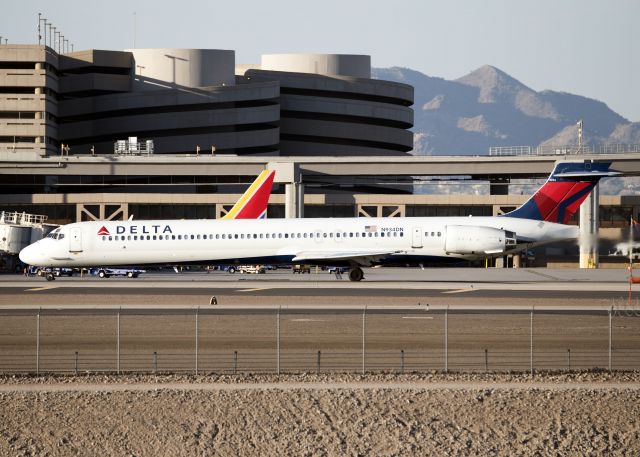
589	224
516	260
293	200
288	173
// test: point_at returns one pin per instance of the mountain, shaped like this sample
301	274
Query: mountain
489	108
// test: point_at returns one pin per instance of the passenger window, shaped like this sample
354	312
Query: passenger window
401	234
154	237
110	239
304	235
439	233
382	234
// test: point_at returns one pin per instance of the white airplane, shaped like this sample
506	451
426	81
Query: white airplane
355	242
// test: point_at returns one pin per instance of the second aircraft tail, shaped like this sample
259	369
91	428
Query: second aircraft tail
253	203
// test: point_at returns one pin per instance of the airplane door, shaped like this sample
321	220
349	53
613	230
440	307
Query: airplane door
416	238
75	240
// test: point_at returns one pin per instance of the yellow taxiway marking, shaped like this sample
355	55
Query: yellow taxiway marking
35	289
253	290
459	291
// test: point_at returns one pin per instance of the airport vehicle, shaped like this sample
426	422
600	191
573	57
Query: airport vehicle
337	270
301	269
355	242
252	269
106	272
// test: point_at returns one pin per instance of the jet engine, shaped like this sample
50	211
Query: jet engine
465	239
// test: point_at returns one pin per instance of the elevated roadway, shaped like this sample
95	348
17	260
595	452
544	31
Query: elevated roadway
477	167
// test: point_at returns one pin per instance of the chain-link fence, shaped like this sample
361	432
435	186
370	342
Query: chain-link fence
214	340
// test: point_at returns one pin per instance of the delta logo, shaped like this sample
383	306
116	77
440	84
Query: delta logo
103	231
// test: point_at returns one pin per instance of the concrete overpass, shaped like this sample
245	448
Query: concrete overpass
476	167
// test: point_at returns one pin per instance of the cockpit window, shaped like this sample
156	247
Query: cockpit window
56	235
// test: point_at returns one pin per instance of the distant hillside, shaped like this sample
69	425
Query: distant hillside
488	108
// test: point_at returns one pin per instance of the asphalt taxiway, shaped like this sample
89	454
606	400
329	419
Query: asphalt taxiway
445	284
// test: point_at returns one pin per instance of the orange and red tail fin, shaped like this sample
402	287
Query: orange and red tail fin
253	203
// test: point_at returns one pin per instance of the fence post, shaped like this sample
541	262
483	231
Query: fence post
446	339
402	361
531	341
235	362
318	366
486	360
569	359
364	332
155	362
610	337
278	341
76	365
118	341
197	334
38	342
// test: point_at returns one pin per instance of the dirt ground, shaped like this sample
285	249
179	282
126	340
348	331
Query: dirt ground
578	414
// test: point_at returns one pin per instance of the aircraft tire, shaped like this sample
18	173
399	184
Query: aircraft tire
50	277
231	270
356	274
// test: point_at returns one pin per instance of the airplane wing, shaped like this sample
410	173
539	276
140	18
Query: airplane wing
361	256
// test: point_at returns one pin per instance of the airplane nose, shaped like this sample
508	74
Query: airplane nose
29	255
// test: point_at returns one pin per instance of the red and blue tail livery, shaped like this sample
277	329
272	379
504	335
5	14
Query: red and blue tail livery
567	187
253	203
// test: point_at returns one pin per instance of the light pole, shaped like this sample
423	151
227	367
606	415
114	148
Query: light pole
39	19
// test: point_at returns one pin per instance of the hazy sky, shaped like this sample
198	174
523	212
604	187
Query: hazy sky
586	47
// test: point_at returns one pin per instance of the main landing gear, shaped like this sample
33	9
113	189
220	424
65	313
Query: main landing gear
50	277
356	274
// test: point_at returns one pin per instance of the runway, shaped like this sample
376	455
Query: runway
453	285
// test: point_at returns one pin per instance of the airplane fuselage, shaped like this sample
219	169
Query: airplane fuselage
362	241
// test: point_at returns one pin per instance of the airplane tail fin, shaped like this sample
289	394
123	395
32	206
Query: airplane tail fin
561	195
253	203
